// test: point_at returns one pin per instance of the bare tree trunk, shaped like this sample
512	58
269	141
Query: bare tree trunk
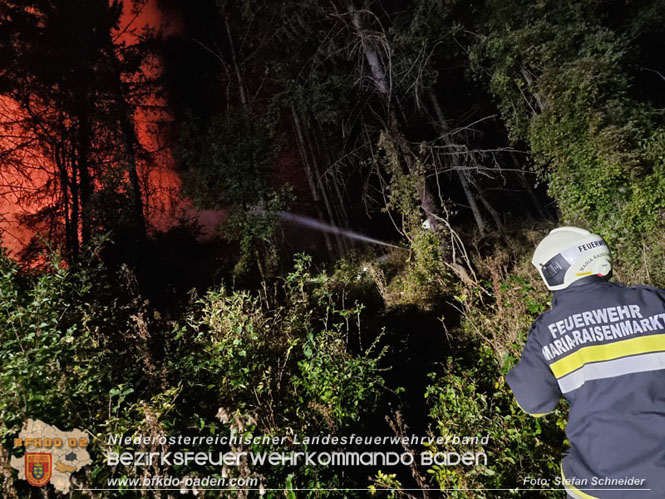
83	163
493	213
343	215
529	83
427	199
338	204
74	188
529	188
311	180
130	142
466	187
445	130
234	61
324	192
129	136
323	181
71	232
371	56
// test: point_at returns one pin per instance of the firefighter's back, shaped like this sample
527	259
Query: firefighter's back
605	345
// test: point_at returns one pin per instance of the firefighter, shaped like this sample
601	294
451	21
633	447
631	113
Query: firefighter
601	346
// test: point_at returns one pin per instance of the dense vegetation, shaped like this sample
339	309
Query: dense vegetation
460	132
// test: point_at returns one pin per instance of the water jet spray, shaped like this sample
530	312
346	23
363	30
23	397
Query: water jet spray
324	227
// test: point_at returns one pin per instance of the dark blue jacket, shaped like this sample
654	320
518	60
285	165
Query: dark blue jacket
602	347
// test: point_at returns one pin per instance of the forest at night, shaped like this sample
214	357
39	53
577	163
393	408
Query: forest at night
307	218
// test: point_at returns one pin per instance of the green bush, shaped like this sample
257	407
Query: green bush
80	352
468	396
474	401
563	76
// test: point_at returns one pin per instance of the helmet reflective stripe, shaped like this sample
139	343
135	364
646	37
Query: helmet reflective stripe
568	254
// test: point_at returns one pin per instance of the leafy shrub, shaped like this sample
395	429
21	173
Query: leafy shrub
465	402
563	79
468	396
62	348
79	352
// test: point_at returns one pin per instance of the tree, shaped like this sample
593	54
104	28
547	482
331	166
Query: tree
68	118
564	79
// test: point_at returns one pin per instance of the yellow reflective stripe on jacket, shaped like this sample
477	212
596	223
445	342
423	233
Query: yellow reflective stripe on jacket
535	415
574	491
609	351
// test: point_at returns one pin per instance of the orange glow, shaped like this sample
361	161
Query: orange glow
21	189
163	204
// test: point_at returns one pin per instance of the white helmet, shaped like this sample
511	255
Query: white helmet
568	254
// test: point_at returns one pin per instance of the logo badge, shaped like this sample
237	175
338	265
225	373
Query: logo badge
38	468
